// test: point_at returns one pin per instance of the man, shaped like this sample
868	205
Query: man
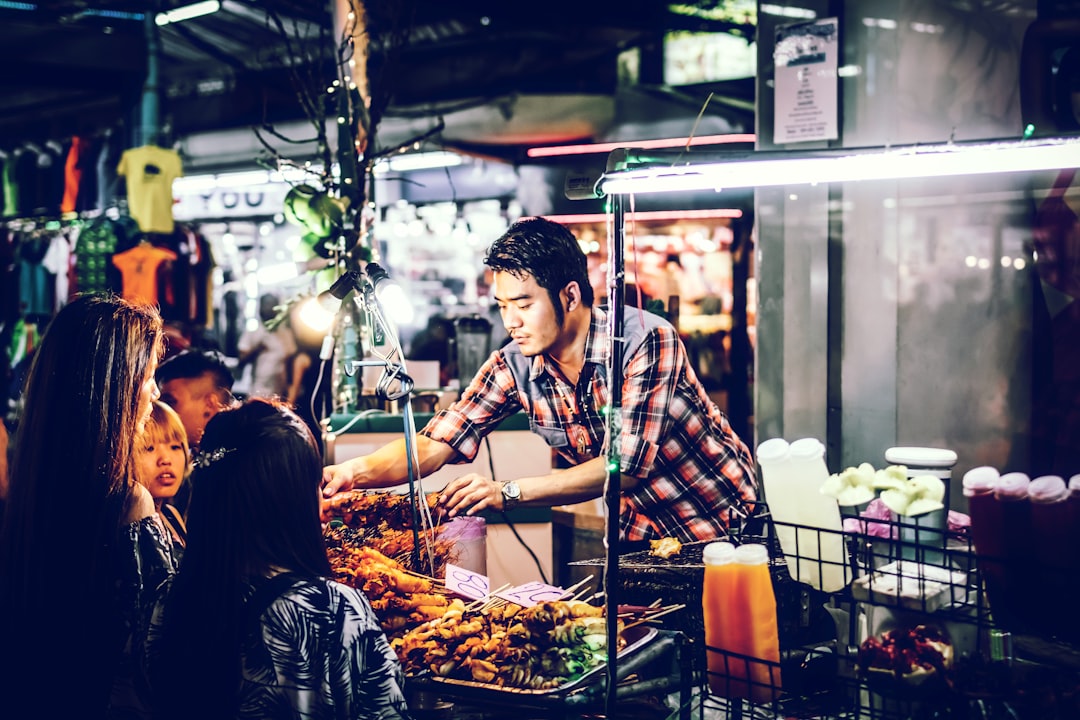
268	352
197	385
684	471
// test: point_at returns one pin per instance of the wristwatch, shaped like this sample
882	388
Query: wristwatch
511	494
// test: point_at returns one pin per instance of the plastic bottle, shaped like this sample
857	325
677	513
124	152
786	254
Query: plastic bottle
1011	494
1053	557
792	476
987	529
722	625
758	604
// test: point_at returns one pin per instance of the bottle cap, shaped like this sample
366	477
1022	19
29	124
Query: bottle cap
1074	484
752	554
921	457
1047	489
718	553
1013	486
807	449
772	450
980	480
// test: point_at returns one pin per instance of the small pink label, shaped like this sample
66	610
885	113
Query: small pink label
467	583
532	593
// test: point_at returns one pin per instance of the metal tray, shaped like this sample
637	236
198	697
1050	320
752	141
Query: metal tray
636	639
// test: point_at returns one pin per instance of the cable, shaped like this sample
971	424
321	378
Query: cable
506	518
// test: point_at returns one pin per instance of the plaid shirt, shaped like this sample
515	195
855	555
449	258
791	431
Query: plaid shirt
692	469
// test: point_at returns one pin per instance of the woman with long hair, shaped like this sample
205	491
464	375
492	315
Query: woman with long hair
79	537
251	626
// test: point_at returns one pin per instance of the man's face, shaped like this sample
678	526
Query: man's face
194	401
527	313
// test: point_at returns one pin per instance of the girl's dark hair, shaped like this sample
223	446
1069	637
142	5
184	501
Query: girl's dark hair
71	479
254	509
547	251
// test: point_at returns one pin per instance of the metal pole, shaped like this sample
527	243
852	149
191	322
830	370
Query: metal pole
150	101
613	488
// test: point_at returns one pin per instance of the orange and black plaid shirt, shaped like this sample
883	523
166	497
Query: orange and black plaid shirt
693	471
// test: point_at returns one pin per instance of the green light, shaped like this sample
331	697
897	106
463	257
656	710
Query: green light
1029	130
613	466
605	410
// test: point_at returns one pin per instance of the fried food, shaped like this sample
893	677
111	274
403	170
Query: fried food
665	548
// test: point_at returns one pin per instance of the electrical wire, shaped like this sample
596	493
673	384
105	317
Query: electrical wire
509	523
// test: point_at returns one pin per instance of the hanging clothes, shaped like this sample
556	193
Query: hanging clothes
139	267
36	284
150	171
73	173
93	250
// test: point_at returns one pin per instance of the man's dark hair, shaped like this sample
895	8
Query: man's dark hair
547	251
191	364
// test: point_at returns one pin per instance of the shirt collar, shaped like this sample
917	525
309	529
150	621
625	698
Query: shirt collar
596	345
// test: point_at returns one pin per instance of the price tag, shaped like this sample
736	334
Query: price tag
531	594
466	583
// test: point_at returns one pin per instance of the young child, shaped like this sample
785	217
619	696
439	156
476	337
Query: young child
162	461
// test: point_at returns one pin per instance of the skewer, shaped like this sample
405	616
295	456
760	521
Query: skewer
654	616
570	591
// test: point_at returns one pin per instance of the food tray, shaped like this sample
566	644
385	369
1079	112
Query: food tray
913	586
636	639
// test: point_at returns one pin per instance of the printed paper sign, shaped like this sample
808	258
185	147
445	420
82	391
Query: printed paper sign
531	594
806	82
466	583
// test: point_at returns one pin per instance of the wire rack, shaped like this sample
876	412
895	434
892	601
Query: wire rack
903	586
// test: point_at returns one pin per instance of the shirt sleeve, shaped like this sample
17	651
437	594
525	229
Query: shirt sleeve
376	680
648	387
491	397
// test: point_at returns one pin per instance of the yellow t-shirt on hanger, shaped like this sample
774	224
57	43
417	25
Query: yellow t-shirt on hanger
150	171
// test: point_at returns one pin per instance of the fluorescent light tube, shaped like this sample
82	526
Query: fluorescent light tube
188	12
886	164
418	161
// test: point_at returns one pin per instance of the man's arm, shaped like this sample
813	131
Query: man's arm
472	493
385	467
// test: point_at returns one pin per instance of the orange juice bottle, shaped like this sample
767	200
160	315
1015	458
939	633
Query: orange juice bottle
757	609
727	674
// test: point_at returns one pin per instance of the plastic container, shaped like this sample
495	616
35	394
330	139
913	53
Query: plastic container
741	631
987	525
469	537
759	605
922	537
1017	549
792	476
722	622
1052	589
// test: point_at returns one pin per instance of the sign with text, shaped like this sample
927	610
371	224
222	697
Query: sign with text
467	583
806	81
531	594
222	202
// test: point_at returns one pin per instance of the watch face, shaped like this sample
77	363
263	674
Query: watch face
511	490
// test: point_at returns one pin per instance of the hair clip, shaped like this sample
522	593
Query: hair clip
206	459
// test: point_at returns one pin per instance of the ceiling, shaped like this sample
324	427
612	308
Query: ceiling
494	75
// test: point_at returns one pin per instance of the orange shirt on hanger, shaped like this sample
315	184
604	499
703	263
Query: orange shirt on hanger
138	268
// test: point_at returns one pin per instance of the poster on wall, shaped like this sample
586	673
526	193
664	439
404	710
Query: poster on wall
806	95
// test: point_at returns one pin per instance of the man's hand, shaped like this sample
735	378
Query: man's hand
470	494
335	479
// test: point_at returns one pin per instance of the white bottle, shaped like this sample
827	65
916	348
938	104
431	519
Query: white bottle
793	475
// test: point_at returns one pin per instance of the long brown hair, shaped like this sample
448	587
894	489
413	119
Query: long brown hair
71	479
